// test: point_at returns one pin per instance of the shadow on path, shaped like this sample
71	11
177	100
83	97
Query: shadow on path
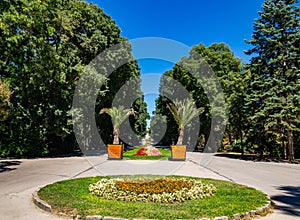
6	166
255	158
290	199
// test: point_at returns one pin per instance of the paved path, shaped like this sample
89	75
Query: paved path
19	178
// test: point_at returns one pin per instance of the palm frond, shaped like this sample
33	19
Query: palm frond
118	114
175	113
184	111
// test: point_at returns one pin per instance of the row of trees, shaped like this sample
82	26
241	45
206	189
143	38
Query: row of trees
262	98
44	48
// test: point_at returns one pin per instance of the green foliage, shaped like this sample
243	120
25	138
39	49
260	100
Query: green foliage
230	74
123	88
139	122
171	132
238	146
273	96
233	79
44	47
118	116
183	112
158	126
5	94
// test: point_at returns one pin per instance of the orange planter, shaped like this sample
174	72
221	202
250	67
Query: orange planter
178	152
115	151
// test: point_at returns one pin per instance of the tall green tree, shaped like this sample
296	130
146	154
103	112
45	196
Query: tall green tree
165	123
44	48
229	72
124	88
274	94
139	121
235	84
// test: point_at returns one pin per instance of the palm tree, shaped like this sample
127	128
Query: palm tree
183	112
118	116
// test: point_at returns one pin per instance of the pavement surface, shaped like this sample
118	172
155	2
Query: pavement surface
20	178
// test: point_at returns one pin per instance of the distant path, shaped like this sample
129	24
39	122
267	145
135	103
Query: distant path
19	178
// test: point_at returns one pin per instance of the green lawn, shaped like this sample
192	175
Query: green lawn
130	154
73	197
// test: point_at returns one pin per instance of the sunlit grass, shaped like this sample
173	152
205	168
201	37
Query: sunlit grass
73	197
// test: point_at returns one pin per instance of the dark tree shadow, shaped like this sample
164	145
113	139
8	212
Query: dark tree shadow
255	158
6	166
237	156
74	154
290	199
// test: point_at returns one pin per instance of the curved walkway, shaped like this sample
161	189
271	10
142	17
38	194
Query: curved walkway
20	178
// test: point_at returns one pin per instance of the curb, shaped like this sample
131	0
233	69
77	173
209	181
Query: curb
47	208
40	203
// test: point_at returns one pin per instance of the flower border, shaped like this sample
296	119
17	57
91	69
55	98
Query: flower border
106	188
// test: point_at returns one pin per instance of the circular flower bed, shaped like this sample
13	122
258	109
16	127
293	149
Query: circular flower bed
160	190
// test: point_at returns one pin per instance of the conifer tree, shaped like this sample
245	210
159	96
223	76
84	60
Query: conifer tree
273	98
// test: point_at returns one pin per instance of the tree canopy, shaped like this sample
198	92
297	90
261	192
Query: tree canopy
262	97
44	47
47	46
226	67
274	93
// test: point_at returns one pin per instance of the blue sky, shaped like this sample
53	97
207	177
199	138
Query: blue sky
190	22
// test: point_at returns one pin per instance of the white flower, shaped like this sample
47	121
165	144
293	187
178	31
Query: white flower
107	189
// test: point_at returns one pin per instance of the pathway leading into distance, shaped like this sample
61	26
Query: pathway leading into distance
19	178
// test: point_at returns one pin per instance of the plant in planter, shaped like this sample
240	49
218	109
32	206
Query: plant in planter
118	116
183	112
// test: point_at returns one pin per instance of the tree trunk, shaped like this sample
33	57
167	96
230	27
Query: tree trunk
180	137
283	143
283	146
284	150
290	145
261	148
242	144
116	134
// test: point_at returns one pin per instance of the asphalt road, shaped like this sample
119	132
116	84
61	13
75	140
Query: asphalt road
20	178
